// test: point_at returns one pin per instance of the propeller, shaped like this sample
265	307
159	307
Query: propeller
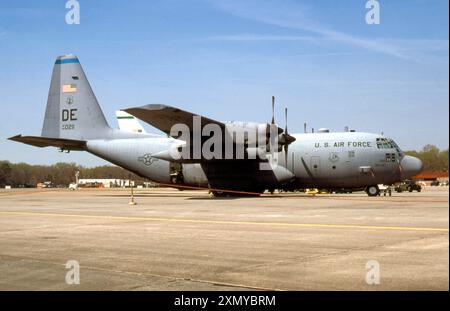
284	139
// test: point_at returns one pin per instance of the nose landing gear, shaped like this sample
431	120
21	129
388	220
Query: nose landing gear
373	191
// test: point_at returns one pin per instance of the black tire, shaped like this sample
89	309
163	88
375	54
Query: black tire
373	191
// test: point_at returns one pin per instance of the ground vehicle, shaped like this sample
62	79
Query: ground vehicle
385	190
408	185
45	184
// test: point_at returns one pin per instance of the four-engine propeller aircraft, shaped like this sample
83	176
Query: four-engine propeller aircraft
75	121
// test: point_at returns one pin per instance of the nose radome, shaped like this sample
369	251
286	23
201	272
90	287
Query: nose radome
411	166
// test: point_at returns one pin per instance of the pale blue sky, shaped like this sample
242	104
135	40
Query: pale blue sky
226	58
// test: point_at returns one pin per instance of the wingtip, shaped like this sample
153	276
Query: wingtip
15	137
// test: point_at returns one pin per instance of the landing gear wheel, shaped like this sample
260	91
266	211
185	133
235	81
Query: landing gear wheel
373	191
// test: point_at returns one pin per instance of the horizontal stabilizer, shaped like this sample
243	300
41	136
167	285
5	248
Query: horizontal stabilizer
38	141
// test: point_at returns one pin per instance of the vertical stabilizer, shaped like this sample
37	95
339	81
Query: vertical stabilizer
128	123
72	110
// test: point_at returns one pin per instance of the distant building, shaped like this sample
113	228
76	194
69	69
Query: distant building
429	177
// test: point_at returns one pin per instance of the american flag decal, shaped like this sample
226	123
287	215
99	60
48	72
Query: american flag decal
69	88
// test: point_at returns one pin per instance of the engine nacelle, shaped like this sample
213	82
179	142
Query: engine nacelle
241	140
248	133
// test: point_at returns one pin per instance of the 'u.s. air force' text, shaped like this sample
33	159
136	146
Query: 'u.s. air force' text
343	144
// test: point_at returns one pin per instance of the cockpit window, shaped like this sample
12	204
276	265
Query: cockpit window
387	143
383	143
394	145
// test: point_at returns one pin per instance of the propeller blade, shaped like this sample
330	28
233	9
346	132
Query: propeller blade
286	154
273	109
286	119
285	139
399	168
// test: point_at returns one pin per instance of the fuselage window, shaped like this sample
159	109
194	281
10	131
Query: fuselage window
393	159
390	157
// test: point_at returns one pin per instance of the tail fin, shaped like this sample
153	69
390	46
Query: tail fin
128	123
72	109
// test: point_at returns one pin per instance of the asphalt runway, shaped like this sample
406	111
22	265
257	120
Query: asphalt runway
184	240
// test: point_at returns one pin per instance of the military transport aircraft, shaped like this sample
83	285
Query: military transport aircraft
324	160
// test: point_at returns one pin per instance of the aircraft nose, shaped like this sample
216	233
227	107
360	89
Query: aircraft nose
411	166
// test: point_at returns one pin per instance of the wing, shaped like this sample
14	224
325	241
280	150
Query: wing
164	117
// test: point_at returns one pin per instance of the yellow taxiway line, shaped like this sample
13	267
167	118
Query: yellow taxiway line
226	222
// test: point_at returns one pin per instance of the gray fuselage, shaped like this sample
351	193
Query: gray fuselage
318	160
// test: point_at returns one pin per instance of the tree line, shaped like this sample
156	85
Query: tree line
60	174
434	160
26	175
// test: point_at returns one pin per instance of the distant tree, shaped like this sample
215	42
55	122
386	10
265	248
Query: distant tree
23	175
18	175
443	160
433	159
63	173
5	173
